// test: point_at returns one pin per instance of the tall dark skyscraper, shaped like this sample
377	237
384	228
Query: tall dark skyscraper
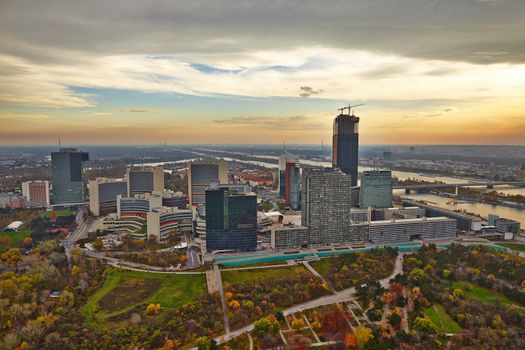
346	144
231	219
68	177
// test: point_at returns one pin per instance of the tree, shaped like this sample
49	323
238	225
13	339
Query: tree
203	343
298	324
27	242
265	325
363	335
394	319
153	309
5	242
351	340
423	325
98	244
75	270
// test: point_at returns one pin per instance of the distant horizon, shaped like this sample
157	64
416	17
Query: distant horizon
160	145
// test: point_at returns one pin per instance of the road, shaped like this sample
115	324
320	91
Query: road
81	231
134	266
326	300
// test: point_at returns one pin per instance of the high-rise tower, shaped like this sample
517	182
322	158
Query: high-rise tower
346	143
68	176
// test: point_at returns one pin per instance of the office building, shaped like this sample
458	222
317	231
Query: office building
326	205
231	220
289	236
138	205
103	194
201	174
163	222
68	176
292	190
464	221
397	231
376	189
174	199
504	225
355	196
36	191
284	159
345	144
145	179
397	213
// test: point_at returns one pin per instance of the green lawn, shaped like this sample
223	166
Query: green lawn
515	246
267	273
481	294
324	265
439	317
16	236
134	290
59	213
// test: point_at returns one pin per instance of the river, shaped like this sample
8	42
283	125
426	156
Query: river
482	209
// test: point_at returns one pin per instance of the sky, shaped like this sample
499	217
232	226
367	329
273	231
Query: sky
261	72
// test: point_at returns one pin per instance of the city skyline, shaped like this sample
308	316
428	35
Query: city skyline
439	72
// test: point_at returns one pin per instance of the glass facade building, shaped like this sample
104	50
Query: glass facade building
231	220
376	189
68	176
345	143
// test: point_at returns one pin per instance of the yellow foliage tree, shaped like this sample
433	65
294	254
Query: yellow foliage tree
363	335
153	309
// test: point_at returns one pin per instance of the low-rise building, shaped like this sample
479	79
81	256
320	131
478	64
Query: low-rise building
398	231
36	191
289	236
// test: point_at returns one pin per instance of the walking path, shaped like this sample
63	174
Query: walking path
341	296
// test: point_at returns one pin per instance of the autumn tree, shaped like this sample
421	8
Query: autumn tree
153	309
363	335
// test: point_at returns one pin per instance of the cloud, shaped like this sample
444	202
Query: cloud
434	29
307	91
139	110
430	114
289	123
23	117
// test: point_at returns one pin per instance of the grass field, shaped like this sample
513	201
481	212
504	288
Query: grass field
127	291
254	274
59	213
16	236
515	246
323	266
481	294
439	317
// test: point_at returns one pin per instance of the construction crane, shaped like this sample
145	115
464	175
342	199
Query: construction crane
349	107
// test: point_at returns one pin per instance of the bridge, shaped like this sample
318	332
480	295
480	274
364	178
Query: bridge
488	184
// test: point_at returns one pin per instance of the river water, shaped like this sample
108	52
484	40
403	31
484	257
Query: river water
482	209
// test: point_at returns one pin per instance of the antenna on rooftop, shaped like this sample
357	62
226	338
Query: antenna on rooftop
59	144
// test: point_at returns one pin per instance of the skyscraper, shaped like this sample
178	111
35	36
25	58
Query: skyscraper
68	176
103	194
291	188
326	205
376	189
345	153
145	179
231	219
284	159
201	173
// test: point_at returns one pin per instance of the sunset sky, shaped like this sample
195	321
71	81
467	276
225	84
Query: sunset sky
222	71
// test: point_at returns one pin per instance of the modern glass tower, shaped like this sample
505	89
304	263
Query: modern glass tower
68	177
346	144
292	189
376	189
231	220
